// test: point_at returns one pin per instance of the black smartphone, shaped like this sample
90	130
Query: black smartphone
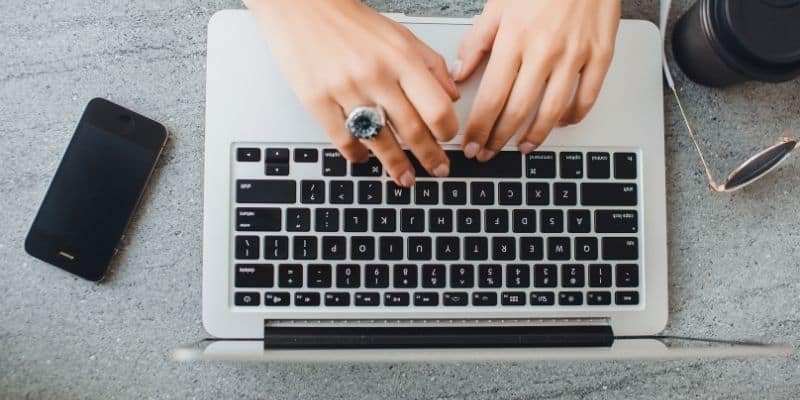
96	189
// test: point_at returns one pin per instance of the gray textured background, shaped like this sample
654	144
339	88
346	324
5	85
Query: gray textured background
733	257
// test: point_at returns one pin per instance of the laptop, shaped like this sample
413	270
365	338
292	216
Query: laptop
560	254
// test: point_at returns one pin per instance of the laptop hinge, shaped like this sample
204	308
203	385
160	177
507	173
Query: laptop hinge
434	334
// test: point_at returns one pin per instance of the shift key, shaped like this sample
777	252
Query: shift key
266	191
608	194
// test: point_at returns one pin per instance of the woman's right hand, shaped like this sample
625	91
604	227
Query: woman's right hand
339	55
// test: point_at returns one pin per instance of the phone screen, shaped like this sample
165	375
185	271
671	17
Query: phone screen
95	190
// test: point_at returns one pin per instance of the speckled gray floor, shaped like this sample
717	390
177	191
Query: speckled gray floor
734	258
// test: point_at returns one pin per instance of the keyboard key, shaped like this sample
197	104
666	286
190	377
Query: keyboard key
447	248
476	248
355	220
565	194
266	191
368	299
440	220
600	275
627	275
496	221
276	247
276	169
298	220
572	276
544	275
348	276
426	299
482	193
579	221
277	155
616	221
543	298
571	165
384	220
433	276
506	164
370	168
246	298
254	275
625	165
524	221
426	193
558	248
276	299
341	192
512	298
369	192
395	299
306	299
537	194
420	248
518	276
247	247
405	276
627	298
412	220
306	155
484	298
531	248
290	275
334	247
490	275
585	248
337	299
333	163
391	248
540	164
376	276
552	221
312	192
326	220
248	154
504	248
469	221
620	248
509	193
462	276
362	248
598	298
598	165
319	276
397	194
608	194
455	298
454	193
570	298
305	247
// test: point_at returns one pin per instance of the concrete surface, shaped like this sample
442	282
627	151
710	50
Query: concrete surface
734	271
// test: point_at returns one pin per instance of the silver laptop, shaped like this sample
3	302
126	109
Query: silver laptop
560	254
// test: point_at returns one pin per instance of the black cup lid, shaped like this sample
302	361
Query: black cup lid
768	31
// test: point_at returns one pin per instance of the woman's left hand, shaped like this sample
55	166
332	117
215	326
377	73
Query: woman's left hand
540	50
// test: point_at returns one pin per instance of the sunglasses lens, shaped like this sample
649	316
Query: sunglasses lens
759	166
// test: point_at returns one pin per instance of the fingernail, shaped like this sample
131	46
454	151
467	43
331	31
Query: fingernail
455	69
527	147
441	171
407	180
471	149
485	155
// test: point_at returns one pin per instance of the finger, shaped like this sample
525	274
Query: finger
438	67
413	131
495	87
330	116
589	86
554	103
477	43
431	102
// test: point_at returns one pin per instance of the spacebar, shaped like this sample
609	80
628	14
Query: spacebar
506	164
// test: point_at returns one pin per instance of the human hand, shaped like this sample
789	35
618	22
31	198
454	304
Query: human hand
540	50
339	55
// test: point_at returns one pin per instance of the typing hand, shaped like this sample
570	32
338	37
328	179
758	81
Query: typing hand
339	55
540	50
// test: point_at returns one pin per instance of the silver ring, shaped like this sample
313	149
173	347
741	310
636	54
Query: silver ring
365	122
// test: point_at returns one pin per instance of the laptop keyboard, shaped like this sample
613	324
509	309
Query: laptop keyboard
553	230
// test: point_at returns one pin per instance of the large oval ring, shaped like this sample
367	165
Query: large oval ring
365	122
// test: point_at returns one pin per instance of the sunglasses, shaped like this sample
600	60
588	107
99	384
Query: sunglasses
755	167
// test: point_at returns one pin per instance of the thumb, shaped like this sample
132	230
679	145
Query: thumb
477	43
